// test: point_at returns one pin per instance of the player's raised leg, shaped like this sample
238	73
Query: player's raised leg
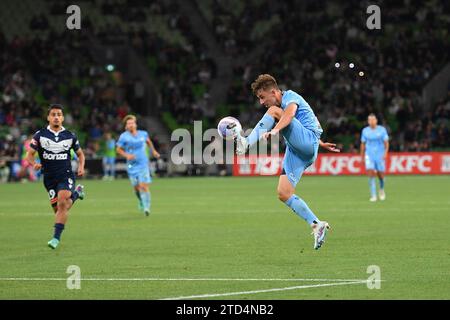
266	123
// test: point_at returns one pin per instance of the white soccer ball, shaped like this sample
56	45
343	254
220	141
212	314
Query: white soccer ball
229	128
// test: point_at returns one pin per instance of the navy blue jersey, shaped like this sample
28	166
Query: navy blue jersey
54	150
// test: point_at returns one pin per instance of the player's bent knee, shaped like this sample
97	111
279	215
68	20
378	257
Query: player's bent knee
284	195
275	112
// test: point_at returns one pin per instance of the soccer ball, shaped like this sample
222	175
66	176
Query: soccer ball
229	128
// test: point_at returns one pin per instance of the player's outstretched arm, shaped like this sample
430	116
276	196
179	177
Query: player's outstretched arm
329	146
81	162
152	147
30	158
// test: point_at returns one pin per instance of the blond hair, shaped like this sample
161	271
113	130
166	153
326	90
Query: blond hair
264	82
128	117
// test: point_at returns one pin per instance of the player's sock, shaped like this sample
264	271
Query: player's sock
138	195
74	197
373	187
381	183
301	209
59	227
265	124
145	196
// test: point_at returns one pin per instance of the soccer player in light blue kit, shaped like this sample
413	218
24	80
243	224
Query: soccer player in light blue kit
132	146
374	151
301	131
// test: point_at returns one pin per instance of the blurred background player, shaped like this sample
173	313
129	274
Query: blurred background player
132	146
54	144
27	172
109	157
374	151
301	131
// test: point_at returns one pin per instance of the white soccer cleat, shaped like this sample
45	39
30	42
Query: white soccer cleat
241	144
320	232
373	199
382	195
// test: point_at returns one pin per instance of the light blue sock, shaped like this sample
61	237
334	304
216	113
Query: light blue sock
265	124
301	209
145	197
382	184
373	187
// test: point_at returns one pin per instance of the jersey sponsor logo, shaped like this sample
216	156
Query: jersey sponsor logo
55	147
54	156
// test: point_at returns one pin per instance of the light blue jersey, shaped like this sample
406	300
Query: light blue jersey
304	113
135	145
374	140
302	137
374	151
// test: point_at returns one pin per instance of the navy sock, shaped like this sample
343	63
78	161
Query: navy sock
74	197
59	227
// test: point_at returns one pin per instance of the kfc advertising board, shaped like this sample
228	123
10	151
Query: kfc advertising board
347	164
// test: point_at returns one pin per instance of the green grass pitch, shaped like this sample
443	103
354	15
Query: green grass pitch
229	228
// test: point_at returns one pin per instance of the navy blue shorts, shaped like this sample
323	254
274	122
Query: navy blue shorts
54	184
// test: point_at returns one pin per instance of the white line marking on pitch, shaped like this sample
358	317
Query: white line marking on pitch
214	295
187	279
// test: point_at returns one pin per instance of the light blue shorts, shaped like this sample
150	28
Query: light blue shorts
109	161
140	177
301	150
375	163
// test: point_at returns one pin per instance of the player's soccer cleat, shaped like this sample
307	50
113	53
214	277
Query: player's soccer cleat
320	232
382	195
147	213
53	243
373	199
241	144
80	190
